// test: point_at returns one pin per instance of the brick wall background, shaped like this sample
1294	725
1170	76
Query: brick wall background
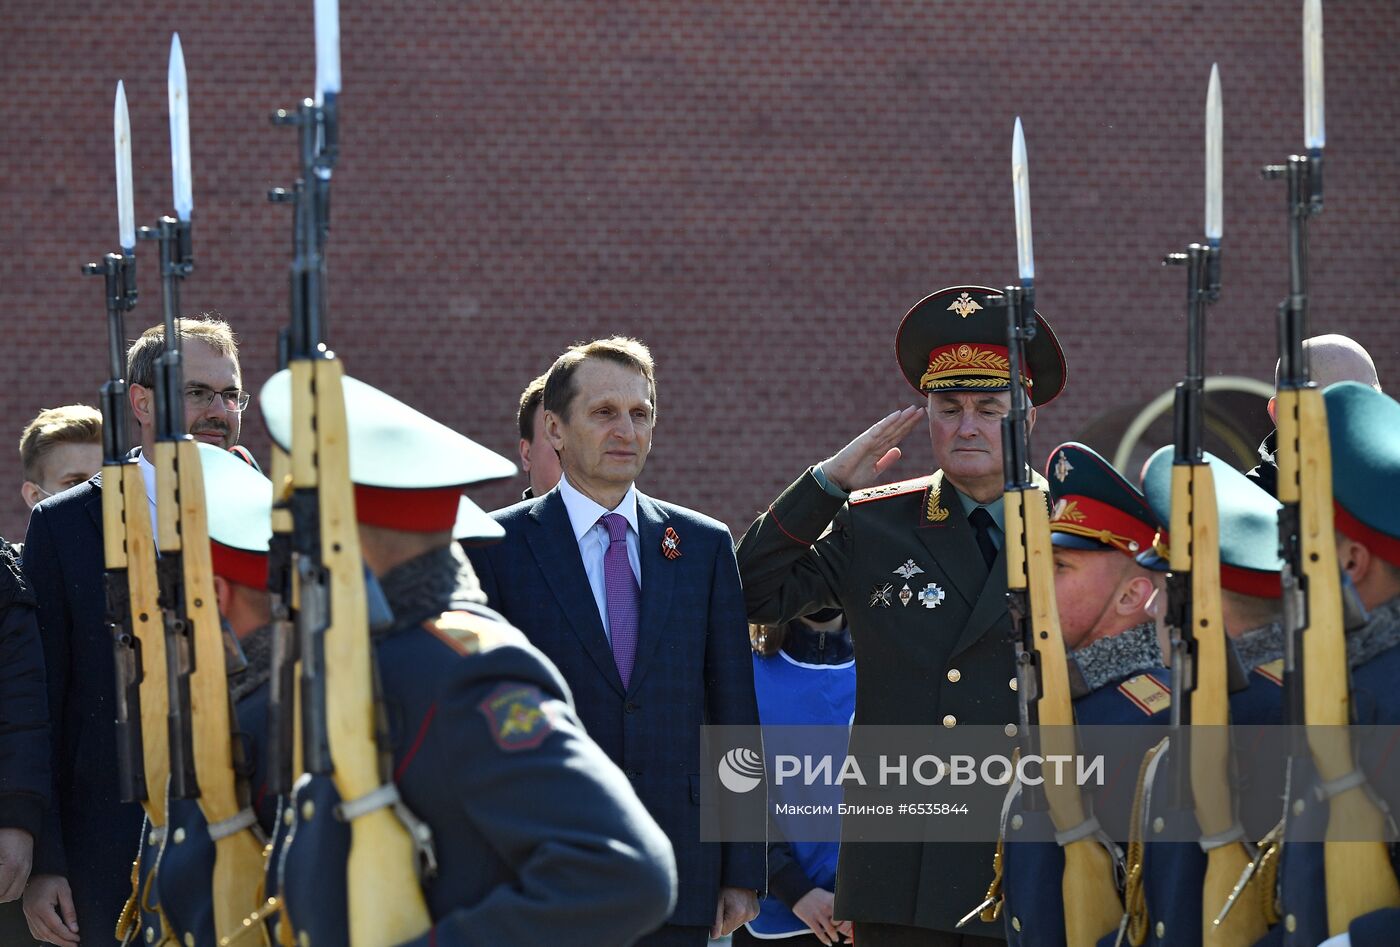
759	190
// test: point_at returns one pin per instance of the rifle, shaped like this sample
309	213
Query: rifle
1092	905
1359	875
340	739
1200	712
132	596
201	726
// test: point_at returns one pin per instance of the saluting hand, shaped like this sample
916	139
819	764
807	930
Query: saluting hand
860	463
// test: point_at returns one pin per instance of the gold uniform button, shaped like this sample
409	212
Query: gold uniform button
304	939
189	939
1010	729
288	815
1158	824
150	935
1291	923
954	675
1014	684
1298	806
1017	822
151	840
950	721
1016	924
308	809
1161	929
179	836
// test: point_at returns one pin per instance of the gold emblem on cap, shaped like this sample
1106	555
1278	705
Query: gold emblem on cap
1062	467
1067	511
964	305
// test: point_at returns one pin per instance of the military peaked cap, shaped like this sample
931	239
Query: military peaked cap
408	469
1249	559
953	341
1364	427
238	507
1096	507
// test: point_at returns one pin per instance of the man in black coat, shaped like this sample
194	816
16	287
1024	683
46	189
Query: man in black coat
82	860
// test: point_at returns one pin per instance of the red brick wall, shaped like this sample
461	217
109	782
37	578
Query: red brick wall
759	190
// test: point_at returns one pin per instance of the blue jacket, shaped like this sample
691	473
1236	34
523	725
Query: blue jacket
801	695
90	836
692	668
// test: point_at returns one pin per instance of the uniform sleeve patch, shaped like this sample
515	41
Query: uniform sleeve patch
1147	693
465	632
1272	671
517	717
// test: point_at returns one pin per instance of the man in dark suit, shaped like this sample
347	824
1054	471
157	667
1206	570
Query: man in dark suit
82	859
638	603
920	570
537	456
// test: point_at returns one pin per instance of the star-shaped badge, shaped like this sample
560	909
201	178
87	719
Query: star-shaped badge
931	596
881	596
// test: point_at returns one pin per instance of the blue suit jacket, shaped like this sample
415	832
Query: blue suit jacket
693	666
89	834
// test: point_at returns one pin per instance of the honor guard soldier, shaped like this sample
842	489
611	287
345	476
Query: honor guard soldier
1172	873
920	571
1107	601
1364	428
1250	590
538	837
238	500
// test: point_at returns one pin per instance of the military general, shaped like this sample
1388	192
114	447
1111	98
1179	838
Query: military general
919	568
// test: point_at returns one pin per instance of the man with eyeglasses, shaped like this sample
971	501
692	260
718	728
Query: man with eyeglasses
82	860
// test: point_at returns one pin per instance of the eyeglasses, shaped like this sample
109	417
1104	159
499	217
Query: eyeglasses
200	397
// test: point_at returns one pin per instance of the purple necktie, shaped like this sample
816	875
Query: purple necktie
624	597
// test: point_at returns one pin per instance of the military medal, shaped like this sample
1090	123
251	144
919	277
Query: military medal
906	572
671	544
881	596
931	596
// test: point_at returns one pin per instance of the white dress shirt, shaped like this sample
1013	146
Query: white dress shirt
592	539
148	474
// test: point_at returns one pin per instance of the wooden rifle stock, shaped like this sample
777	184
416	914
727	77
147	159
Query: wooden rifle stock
1092	905
1195	515
1359	874
385	899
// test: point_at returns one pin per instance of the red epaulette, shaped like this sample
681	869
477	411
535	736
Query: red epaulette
886	490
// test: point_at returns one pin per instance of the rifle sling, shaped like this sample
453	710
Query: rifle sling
243	819
418	830
1234	833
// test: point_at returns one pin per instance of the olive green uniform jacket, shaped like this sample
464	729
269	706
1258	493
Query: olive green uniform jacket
948	665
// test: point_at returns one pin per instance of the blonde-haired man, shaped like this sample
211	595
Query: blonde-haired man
59	449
